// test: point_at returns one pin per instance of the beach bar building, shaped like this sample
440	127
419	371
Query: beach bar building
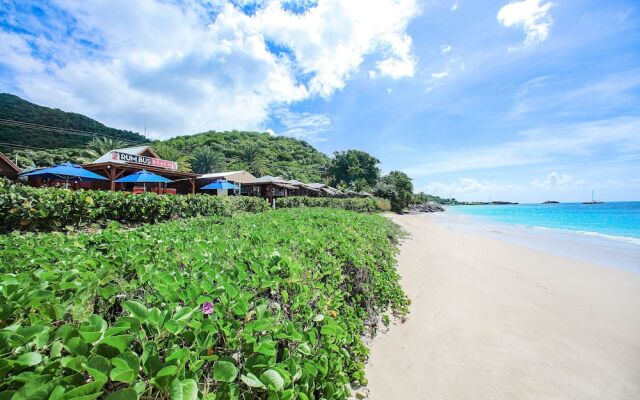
122	162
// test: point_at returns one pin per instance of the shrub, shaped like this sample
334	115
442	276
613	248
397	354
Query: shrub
368	204
45	209
259	306
397	188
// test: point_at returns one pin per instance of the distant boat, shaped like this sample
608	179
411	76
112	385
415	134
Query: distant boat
593	200
551	202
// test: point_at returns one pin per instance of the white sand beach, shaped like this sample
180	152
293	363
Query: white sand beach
495	320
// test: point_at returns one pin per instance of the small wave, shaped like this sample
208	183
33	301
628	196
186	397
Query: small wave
624	239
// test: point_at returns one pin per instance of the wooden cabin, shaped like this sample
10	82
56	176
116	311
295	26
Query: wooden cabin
239	178
8	169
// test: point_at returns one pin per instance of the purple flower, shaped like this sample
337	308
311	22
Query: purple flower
207	308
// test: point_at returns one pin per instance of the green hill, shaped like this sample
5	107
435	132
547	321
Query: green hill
279	155
13	108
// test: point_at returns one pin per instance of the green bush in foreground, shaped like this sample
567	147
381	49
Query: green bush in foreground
46	209
368	204
256	306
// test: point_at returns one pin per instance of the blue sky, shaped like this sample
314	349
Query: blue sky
518	100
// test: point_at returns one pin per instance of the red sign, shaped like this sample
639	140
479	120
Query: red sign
144	160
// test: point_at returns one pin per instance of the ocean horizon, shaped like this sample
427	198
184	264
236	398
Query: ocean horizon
618	221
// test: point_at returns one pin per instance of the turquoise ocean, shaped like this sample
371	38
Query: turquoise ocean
616	220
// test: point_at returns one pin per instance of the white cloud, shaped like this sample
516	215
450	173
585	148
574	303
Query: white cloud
440	75
554	180
304	125
435	78
445	48
542	145
548	94
455	6
463	186
185	68
532	15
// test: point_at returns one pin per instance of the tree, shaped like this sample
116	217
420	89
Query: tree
206	160
397	188
353	168
422	198
29	159
168	152
102	145
252	159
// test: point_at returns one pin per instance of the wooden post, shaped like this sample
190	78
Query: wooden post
193	185
112	177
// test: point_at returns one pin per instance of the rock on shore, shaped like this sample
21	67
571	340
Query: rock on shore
426	208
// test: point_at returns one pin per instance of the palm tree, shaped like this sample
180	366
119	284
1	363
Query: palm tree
252	159
102	145
206	160
168	152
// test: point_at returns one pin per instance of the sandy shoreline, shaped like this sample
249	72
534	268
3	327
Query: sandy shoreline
494	320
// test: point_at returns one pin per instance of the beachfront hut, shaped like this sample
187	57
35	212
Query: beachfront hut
270	187
119	162
8	169
304	189
327	190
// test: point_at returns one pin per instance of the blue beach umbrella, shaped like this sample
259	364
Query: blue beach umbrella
143	176
220	184
66	171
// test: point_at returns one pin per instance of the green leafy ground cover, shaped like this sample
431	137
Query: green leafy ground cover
368	204
257	306
47	209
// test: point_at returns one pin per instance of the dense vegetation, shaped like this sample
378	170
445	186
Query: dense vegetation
259	153
354	204
258	306
397	187
16	109
420	198
353	169
46	209
29	159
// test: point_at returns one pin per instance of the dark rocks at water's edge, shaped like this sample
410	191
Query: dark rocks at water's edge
426	208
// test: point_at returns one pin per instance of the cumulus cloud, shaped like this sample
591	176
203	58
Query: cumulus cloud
554	179
192	66
445	48
532	15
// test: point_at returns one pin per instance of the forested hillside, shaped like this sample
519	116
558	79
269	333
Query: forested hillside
14	109
260	153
